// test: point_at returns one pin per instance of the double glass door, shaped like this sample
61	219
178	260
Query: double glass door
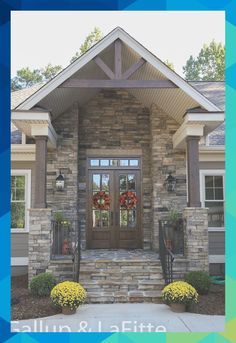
114	205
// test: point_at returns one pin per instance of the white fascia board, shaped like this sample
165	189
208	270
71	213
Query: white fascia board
99	47
214	154
19	261
216	258
205	117
30	116
22	152
179	138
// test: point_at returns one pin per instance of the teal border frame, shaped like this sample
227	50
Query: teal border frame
229	6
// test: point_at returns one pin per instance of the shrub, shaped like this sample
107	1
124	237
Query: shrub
42	284
199	280
68	294
180	292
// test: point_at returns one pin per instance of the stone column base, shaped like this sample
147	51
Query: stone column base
39	240
196	238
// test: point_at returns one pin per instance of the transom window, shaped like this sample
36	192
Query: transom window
114	162
213	198
20	197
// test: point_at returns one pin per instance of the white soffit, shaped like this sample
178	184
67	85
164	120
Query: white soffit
173	101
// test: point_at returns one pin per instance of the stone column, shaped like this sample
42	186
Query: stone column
39	241
196	248
40	171
193	171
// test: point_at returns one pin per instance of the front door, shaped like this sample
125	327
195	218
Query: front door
114	209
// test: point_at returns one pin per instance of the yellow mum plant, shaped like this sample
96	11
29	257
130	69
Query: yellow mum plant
180	292
68	294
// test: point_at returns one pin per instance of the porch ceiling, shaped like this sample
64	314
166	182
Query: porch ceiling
173	101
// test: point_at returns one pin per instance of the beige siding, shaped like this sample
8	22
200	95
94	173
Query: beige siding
27	165
217	243
19	244
212	165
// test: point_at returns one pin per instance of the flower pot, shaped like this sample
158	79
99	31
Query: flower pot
178	307
68	310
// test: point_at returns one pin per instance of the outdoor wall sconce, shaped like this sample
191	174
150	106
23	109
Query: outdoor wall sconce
60	182
170	183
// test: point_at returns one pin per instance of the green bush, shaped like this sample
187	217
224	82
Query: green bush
42	284
199	280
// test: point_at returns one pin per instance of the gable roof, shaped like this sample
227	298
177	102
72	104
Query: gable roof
54	98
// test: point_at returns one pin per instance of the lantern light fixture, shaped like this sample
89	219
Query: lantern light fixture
60	182
170	183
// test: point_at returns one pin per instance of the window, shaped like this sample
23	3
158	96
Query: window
212	194
20	199
114	163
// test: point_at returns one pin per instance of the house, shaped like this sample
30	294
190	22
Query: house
110	145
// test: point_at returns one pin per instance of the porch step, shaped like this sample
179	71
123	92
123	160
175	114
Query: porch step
113	280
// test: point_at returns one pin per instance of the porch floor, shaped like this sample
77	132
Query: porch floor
117	255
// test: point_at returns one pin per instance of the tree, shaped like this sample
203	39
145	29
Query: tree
208	65
169	64
94	36
27	78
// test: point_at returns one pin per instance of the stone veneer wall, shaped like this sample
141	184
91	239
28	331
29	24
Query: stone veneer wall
64	158
165	159
114	119
39	240
196	238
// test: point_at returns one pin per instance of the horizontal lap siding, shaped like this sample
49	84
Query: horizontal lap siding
19	244
216	243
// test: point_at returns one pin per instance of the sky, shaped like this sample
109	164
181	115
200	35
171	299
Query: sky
42	37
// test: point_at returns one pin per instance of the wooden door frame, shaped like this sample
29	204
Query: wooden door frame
125	155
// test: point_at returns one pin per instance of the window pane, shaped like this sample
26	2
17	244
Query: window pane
218	181
105	182
20	182
209	181
18	215
133	163
124	163
96	182
20	194
96	218
94	163
215	213
122	183
104	163
131	182
123	218
104	218
219	193
209	194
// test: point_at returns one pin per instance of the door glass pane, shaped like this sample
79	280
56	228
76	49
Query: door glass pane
94	163
123	183
96	218
96	182
124	163
104	219
104	163
132	218
131	182
105	182
123	218
133	163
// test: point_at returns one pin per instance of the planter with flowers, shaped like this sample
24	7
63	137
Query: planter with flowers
69	296
178	294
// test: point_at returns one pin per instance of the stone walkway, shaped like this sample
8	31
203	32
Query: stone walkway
123	318
119	255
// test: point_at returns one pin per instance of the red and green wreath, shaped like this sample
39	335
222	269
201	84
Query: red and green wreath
128	200
101	200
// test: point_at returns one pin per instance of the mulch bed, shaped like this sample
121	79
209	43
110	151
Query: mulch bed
25	306
212	303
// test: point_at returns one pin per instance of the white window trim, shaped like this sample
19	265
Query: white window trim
211	172
19	261
27	174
